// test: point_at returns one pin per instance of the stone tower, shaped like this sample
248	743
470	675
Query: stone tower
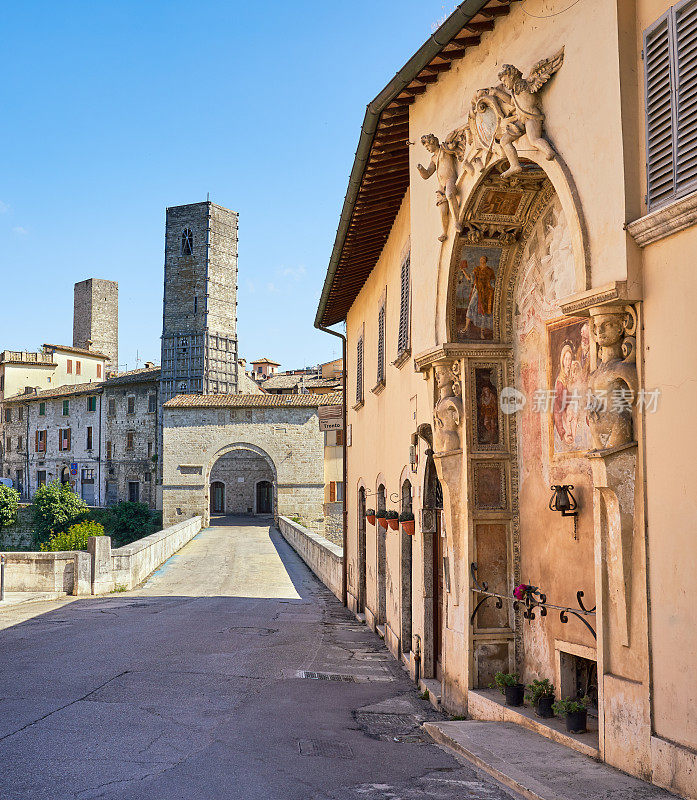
96	318
199	328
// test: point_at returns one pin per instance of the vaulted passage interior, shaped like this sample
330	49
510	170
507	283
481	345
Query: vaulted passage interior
242	482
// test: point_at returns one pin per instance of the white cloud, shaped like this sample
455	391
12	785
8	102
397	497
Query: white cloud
271	287
251	288
20	231
4	208
296	273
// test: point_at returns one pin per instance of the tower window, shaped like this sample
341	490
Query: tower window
195	304
187	242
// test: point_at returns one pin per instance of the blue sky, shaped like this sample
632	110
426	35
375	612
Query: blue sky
114	109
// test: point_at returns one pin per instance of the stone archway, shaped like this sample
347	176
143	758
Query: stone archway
248	476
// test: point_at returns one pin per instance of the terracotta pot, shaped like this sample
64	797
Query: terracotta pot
393	523
382	522
370	518
514	694
408	526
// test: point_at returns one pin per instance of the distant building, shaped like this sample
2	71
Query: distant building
264	368
96	318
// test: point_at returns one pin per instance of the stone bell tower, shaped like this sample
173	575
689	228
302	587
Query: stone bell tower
199	327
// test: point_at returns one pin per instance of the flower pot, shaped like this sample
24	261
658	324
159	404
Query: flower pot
515	694
382	522
393	523
408	526
370	518
544	706
576	722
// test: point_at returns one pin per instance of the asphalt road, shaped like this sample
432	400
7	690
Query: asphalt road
194	688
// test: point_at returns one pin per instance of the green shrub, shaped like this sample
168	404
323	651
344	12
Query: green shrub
538	689
127	522
9	504
562	708
502	680
55	508
74	539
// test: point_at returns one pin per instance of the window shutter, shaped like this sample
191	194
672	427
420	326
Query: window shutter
332	492
403	337
660	125
37	442
68	442
686	83
381	344
359	371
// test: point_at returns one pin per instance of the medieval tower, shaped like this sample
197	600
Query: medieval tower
199	327
96	318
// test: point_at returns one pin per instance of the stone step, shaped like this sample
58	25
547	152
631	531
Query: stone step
433	687
537	768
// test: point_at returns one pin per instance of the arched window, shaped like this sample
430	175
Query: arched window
187	242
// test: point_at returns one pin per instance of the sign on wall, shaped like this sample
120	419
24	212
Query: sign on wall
330	418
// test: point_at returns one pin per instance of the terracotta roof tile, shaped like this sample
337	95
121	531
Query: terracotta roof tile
253	400
59	391
79	350
135	375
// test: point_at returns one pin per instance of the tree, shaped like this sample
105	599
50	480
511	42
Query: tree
55	508
9	505
131	521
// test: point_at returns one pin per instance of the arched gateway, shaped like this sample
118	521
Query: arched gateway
243	454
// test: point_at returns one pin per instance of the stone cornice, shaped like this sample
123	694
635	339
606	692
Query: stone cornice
615	293
664	221
449	351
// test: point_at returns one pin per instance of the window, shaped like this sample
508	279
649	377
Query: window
66	407
42	409
8	415
8	444
152	403
20	413
336	492
147	477
41	477
187	242
195	304
99	370
92	403
381	345
129	440
359	371
149	449
2	383
339	438
64	439
108	451
78	368
19	444
131	405
87	474
41	437
112	407
133	491
89	437
69	367
670	71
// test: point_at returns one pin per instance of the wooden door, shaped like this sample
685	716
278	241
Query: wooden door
264	497
217	498
438	594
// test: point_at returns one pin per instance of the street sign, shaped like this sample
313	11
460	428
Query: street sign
331	418
73	468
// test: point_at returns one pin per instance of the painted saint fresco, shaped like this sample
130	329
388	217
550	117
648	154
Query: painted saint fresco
568	370
487	406
474	293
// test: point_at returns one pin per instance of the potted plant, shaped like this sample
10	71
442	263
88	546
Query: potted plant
540	694
575	711
370	516
392	518
509	686
380	517
407	520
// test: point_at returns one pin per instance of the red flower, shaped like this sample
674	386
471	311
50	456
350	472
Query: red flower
520	591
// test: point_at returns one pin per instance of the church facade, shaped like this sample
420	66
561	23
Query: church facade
513	267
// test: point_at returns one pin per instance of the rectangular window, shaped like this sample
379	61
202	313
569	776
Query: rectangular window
69	367
8	415
66	407
92	403
40	443
64	439
20	413
339	491
19	444
99	370
670	73
78	368
41	477
381	345
149	449
339	438
152	403
133	491
131	408
108	451
42	409
112	407
359	371
87	475
147	477
8	444
129	440
89	437
2	383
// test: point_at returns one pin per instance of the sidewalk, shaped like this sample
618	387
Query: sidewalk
537	768
19	607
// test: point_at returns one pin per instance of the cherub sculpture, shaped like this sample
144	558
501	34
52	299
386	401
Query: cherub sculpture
444	158
521	103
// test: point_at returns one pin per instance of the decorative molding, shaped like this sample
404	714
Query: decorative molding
402	358
664	221
379	386
455	350
358	405
614	293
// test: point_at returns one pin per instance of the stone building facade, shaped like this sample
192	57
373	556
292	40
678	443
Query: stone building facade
277	439
514	267
199	328
96	318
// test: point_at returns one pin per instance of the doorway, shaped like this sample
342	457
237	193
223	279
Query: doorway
381	560
362	565
264	497
406	542
217	497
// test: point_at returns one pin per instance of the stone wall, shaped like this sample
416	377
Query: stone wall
322	556
334	522
18	536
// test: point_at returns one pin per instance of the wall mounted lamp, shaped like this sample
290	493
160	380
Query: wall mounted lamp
563	501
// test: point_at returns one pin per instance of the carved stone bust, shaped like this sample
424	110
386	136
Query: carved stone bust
447	414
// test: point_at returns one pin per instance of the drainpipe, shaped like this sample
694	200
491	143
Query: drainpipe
344	568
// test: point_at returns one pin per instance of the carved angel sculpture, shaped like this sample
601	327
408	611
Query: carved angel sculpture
520	101
444	158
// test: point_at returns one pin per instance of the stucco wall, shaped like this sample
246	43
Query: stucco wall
320	555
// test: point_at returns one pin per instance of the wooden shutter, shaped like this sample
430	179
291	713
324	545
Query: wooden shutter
332	492
36	449
339	438
68	439
685	28
359	371
381	344
403	337
660	124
